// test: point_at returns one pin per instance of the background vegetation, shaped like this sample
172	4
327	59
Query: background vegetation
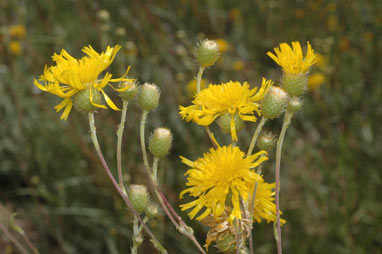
331	172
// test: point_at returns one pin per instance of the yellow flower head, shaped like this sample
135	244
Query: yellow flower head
15	47
221	178
17	31
291	59
71	75
232	97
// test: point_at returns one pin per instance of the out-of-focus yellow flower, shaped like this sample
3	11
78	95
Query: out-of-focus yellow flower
344	44
291	59
71	75
238	65
17	31
315	80
299	13
232	98
15	47
223	171
224	46
332	23
191	86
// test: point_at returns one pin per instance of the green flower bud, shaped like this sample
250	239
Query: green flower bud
226	243
266	141
139	197
294	84
224	123
294	105
81	100
152	211
160	142
207	53
274	102
131	92
148	97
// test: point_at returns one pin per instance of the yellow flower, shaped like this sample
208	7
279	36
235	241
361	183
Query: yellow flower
17	31
71	75
315	80
220	178
231	97
223	45
15	47
292	60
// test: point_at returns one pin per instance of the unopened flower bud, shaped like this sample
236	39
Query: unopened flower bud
81	100
294	105
152	211
224	123
160	142
207	53
266	141
131	92
274	102
148	97
139	197
294	84
226	243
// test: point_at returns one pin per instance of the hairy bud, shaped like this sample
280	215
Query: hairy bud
148	97
207	53
274	102
160	142
139	197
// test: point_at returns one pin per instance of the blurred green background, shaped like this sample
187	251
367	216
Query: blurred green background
331	169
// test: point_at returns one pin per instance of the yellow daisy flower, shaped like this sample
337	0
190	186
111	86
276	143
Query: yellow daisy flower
291	59
71	75
222	177
232	97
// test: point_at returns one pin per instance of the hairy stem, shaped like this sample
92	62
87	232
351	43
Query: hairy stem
199	78
143	144
256	135
286	122
121	127
116	186
170	212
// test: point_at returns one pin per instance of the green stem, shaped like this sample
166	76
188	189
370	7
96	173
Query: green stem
121	127
137	236
93	135
199	78
155	170
256	135
286	122
143	144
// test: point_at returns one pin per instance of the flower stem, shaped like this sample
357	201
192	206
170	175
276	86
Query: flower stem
137	236
256	135
181	226
93	134
286	122
121	127
199	78
18	245
143	144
